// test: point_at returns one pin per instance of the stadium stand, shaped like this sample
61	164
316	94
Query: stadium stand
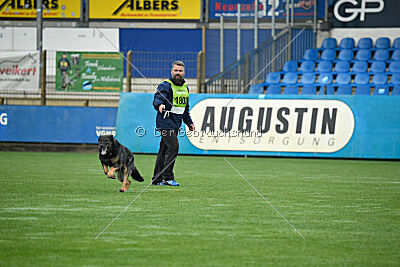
273	90
382	43
307	66
346	55
329	43
342	66
368	69
256	89
364	43
347	43
344	90
291	90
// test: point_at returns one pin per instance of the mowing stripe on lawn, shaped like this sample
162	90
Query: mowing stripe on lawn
266	200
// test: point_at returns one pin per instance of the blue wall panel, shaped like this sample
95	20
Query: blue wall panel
376	123
55	124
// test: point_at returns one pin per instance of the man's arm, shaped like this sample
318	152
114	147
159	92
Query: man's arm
187	119
160	97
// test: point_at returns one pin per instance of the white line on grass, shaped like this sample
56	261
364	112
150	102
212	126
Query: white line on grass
266	200
133	200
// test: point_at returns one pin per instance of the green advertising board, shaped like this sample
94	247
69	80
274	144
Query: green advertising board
89	71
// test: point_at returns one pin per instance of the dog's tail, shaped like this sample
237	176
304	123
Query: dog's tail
136	175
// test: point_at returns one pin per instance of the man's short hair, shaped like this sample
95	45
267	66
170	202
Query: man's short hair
179	63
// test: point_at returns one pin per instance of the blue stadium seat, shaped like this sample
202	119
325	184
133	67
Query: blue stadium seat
329	43
378	67
290	66
345	54
379	79
274	89
328	54
325	78
290	78
307	66
256	89
330	90
308	78
394	67
291	90
396	55
273	78
395	80
342	66
309	90
344	90
396	90
365	43
363	54
347	43
361	79
343	79
381	55
396	43
363	90
381	90
324	66
310	54
359	67
382	43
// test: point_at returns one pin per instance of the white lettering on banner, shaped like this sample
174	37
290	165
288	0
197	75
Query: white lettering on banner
102	130
3	119
353	12
284	125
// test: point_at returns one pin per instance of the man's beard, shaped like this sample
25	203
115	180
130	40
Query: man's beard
178	79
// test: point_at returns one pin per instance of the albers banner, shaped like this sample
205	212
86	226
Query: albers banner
366	13
306	126
19	71
145	9
89	71
70	9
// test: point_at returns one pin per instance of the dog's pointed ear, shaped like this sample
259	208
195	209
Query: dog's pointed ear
115	141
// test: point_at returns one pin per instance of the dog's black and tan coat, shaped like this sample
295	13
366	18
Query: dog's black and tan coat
120	160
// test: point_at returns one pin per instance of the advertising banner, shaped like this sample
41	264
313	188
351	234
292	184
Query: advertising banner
89	71
55	124
65	9
289	126
19	71
366	13
145	9
302	8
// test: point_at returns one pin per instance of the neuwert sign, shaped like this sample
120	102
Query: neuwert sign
145	9
272	125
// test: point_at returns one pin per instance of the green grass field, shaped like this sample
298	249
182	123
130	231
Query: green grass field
53	205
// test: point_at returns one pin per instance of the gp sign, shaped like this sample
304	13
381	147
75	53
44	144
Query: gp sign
351	13
319	126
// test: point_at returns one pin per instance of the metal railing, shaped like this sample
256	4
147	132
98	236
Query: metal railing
256	64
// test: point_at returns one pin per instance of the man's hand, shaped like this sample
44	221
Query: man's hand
191	127
161	108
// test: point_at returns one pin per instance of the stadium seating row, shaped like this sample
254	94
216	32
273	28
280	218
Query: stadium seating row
363	43
350	55
320	79
341	66
328	90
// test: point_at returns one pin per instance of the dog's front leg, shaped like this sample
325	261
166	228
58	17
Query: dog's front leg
125	183
105	168
110	173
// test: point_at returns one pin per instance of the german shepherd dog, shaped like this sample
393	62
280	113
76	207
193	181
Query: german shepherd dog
120	160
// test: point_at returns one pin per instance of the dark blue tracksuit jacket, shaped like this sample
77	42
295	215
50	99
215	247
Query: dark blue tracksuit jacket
173	121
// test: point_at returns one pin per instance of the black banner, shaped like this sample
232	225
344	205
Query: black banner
366	13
